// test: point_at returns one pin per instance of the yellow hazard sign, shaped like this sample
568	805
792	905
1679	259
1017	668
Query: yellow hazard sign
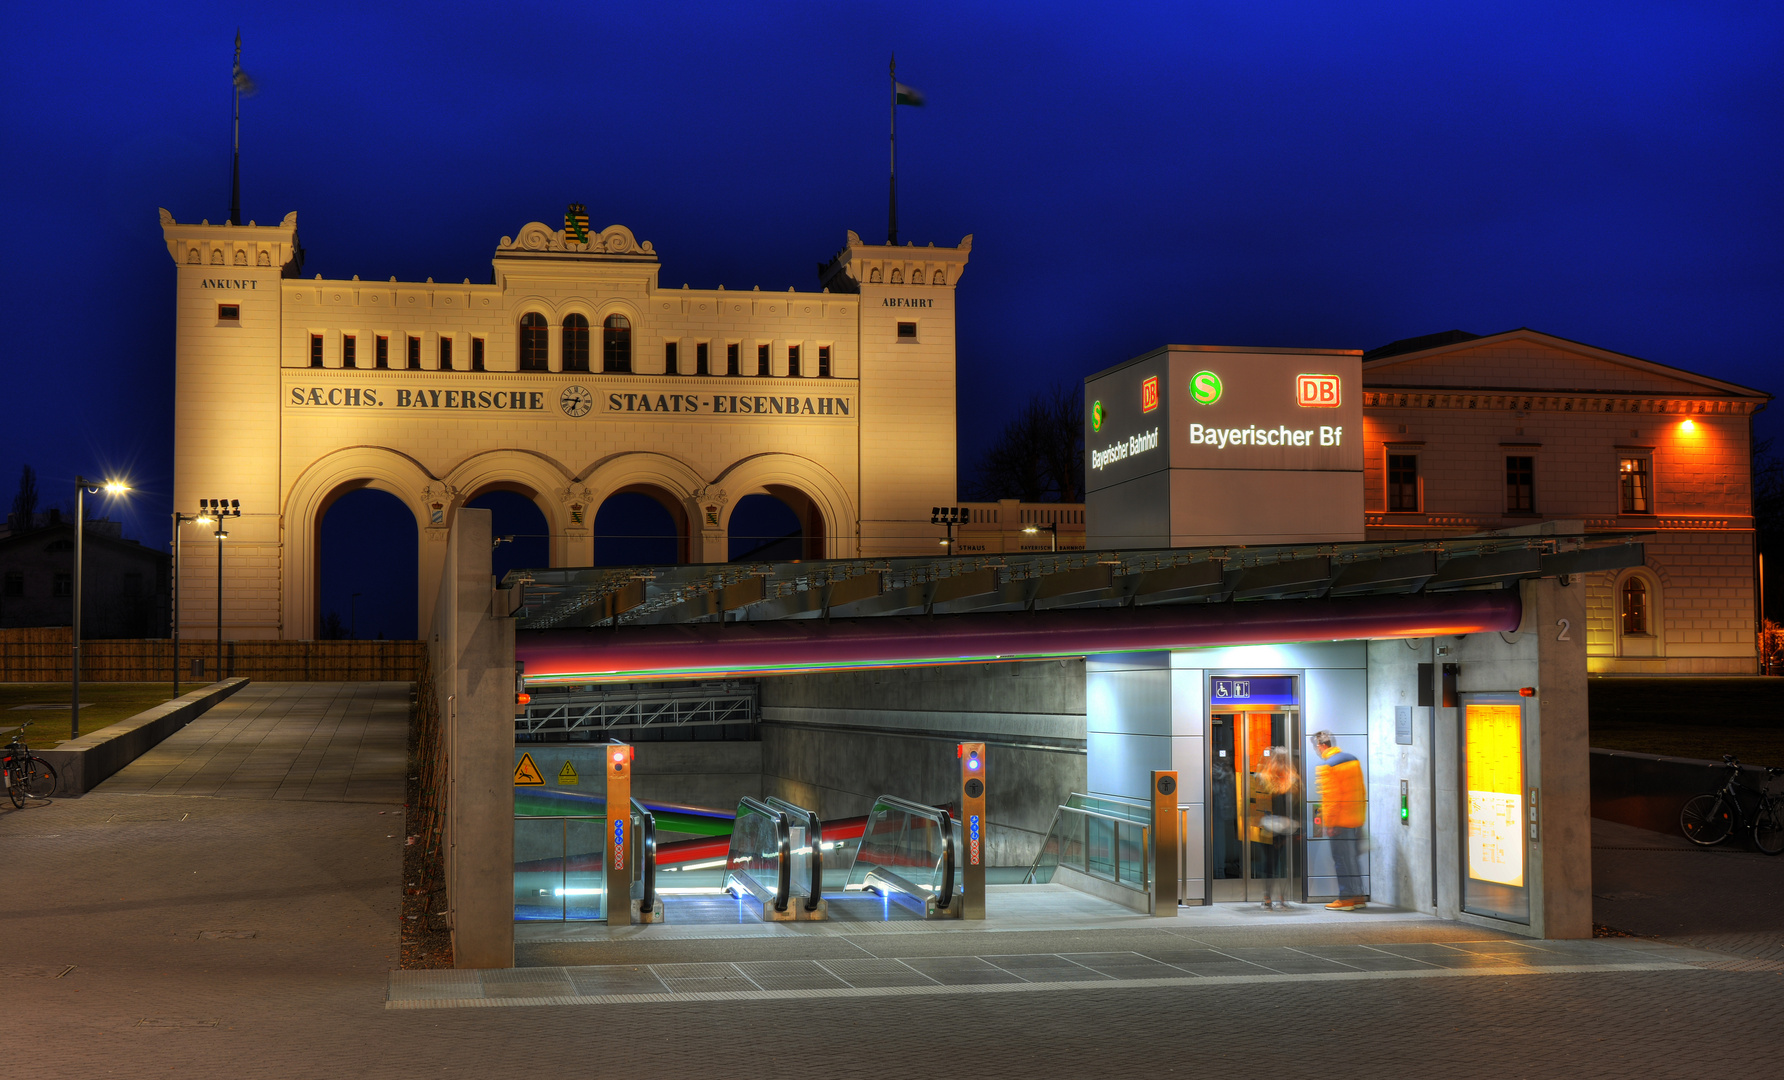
567	775
527	773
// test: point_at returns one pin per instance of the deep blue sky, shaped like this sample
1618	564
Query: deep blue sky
1286	174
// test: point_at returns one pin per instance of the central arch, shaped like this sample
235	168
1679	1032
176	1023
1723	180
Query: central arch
315	490
641	524
812	492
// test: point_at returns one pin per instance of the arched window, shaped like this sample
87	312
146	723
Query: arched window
575	343
937	278
916	277
265	259
897	275
1635	606
241	257
873	276
616	344
535	347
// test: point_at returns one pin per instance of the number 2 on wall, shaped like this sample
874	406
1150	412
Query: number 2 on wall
1565	626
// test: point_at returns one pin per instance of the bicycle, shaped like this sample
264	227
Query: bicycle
1711	818
26	775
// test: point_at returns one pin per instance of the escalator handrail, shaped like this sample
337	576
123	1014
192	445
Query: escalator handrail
647	851
941	818
814	835
783	887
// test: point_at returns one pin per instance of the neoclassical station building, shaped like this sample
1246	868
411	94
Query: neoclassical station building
574	375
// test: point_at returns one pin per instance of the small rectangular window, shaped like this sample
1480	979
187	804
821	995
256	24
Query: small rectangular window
907	331
383	350
700	359
823	361
793	362
15	583
670	348
414	354
229	312
1520	485
1403	483
315	350
731	362
762	360
1632	477
349	351
445	353
476	354
62	585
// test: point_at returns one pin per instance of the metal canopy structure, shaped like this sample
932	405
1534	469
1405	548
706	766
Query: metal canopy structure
595	712
640	596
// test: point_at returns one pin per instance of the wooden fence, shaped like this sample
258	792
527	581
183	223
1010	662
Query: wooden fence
42	654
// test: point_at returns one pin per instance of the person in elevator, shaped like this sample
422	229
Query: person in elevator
1344	808
1267	808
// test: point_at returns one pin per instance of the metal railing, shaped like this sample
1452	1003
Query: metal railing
761	843
565	879
805	849
1099	837
644	857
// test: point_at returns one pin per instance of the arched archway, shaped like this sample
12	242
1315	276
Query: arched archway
641	525
816	497
776	524
367	565
514	512
351	469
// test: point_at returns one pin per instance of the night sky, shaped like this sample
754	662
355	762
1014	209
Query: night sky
1333	176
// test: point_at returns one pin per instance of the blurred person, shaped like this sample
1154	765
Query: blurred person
1344	808
1268	820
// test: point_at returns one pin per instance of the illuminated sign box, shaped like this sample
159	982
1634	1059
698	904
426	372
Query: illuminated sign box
1193	445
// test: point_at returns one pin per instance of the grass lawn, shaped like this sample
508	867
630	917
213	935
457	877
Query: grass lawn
101	704
1695	718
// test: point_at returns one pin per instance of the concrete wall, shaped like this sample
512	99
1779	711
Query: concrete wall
711	774
82	764
835	742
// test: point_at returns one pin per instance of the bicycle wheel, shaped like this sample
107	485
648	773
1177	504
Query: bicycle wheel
39	780
1706	820
14	790
1768	827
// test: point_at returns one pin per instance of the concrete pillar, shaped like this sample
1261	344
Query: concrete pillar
1560	763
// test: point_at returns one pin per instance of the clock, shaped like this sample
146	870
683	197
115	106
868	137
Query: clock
576	401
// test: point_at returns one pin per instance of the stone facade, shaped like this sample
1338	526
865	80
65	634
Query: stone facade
291	392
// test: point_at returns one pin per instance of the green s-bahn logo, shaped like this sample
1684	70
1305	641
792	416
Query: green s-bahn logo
1097	416
1205	388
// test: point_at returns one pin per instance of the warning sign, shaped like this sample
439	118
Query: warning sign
527	774
567	775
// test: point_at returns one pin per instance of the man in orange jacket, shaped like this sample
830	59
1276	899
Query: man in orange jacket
1344	809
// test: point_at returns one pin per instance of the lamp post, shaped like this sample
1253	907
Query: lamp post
178	520
219	510
81	484
1051	526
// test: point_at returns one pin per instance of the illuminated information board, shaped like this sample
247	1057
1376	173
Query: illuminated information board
1493	735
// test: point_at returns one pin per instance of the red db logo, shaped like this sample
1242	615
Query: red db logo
1316	391
1149	395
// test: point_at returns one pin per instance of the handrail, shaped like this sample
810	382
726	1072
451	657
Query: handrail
784	857
647	854
1116	821
814	837
941	818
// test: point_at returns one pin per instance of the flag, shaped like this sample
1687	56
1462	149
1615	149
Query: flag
243	84
576	222
906	95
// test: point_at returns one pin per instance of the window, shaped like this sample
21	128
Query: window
1520	485
445	352
907	331
700	367
1632	474
476	354
349	351
823	361
535	347
616	344
133	584
62	585
731	361
229	313
670	361
414	354
315	350
761	360
383	352
793	361
1403	483
575	343
15	583
1635	606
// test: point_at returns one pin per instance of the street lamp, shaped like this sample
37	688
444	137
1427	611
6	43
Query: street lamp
178	520
1051	526
219	510
113	488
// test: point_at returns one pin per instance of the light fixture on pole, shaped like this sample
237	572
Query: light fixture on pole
951	516
220	510
1051	526
113	488
178	520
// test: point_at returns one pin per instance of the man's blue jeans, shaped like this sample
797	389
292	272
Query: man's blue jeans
1344	857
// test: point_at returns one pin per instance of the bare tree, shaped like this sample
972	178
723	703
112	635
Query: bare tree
24	504
1039	456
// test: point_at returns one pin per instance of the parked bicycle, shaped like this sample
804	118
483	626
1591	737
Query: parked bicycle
1712	818
26	775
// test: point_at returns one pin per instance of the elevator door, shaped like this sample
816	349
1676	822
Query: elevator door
1255	753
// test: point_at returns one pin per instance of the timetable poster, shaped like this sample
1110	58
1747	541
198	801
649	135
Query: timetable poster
1495	756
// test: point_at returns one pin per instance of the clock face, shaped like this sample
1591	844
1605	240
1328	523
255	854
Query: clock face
576	401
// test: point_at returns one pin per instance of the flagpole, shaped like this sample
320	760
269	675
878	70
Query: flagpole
235	180
892	209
